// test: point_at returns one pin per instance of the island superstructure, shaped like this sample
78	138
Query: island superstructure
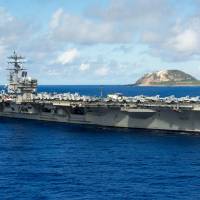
21	100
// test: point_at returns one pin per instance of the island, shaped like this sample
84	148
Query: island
167	78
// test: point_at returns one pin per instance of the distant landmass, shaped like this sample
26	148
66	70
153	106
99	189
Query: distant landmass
167	78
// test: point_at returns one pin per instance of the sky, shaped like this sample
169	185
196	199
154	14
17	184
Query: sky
99	42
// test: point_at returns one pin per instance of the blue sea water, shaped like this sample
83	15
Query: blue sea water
43	160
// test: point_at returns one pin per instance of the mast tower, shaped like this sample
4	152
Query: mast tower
19	82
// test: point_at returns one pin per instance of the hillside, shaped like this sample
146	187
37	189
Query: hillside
166	78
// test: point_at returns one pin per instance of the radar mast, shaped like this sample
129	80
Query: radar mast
19	82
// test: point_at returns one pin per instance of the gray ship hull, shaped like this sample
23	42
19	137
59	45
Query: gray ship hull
143	118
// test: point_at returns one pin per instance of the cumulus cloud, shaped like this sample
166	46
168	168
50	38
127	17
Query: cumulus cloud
68	56
12	30
57	16
71	28
137	13
186	41
13	33
158	24
84	67
180	42
103	71
154	23
119	22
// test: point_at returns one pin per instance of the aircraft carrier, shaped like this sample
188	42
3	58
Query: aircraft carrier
20	99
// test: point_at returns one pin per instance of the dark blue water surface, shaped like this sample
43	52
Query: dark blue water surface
95	90
43	160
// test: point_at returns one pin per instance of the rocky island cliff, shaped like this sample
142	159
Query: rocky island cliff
167	78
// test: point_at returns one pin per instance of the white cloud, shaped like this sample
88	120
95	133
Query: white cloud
13	33
65	27
12	30
54	23
186	41
153	23
158	24
103	71
84	67
131	14
68	56
179	42
2	50
150	37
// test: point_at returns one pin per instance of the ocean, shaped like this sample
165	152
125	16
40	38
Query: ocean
47	160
